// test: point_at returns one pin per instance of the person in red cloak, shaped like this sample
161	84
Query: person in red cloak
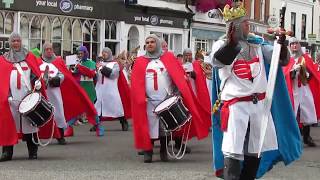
198	84
68	98
303	84
19	75
154	76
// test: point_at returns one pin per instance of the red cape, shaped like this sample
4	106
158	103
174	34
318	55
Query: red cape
202	96
124	91
75	99
314	82
8	131
139	100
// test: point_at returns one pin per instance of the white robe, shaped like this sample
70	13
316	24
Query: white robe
156	72
109	102
54	95
243	113
303	97
22	124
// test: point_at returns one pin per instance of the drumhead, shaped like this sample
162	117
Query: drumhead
166	103
29	102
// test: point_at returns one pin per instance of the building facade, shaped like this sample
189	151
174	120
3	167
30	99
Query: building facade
93	23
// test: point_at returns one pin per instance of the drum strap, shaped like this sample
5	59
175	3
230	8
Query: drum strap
20	71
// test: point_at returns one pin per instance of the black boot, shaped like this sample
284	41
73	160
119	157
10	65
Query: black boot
124	123
307	139
32	147
93	128
163	149
7	152
61	140
177	145
231	169
148	156
250	168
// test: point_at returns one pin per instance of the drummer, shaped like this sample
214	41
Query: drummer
154	76
64	92
19	75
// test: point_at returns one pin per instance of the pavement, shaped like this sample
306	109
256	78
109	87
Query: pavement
113	157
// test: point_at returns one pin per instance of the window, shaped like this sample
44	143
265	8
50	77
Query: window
1	23
95	46
111	36
66	38
174	41
293	23
202	44
8	24
46	30
303	26
56	36
35	31
76	35
24	31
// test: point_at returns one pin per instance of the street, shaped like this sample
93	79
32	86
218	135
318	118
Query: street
114	157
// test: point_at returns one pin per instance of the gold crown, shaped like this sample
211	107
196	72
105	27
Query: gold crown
234	12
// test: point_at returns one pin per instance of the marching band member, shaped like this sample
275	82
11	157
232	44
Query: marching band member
303	84
154	76
68	98
19	73
240	60
113	93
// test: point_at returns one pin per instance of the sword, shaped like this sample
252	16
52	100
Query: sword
271	81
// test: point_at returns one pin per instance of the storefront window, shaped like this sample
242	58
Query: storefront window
46	30
56	36
66	42
95	40
76	36
8	24
1	23
111	30
24	30
35	38
202	44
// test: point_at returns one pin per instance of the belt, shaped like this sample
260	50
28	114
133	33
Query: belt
225	107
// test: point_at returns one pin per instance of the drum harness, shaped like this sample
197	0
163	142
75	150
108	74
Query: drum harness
180	154
37	141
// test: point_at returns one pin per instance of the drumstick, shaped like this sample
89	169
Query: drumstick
43	76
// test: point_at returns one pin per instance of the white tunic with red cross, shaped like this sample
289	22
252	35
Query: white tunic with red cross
19	88
158	86
54	95
303	98
109	102
245	77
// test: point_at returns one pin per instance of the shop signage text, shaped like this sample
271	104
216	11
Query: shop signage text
65	6
153	20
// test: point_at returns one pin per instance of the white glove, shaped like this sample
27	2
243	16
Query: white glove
296	67
37	84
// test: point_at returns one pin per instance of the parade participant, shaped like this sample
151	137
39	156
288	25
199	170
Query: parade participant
303	85
19	74
113	93
85	72
68	98
156	75
164	46
240	62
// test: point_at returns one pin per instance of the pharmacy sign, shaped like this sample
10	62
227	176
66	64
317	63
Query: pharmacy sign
7	3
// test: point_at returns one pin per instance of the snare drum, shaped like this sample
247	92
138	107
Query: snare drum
37	109
172	113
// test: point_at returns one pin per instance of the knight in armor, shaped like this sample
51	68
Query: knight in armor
113	93
241	59
303	84
68	98
19	75
156	75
